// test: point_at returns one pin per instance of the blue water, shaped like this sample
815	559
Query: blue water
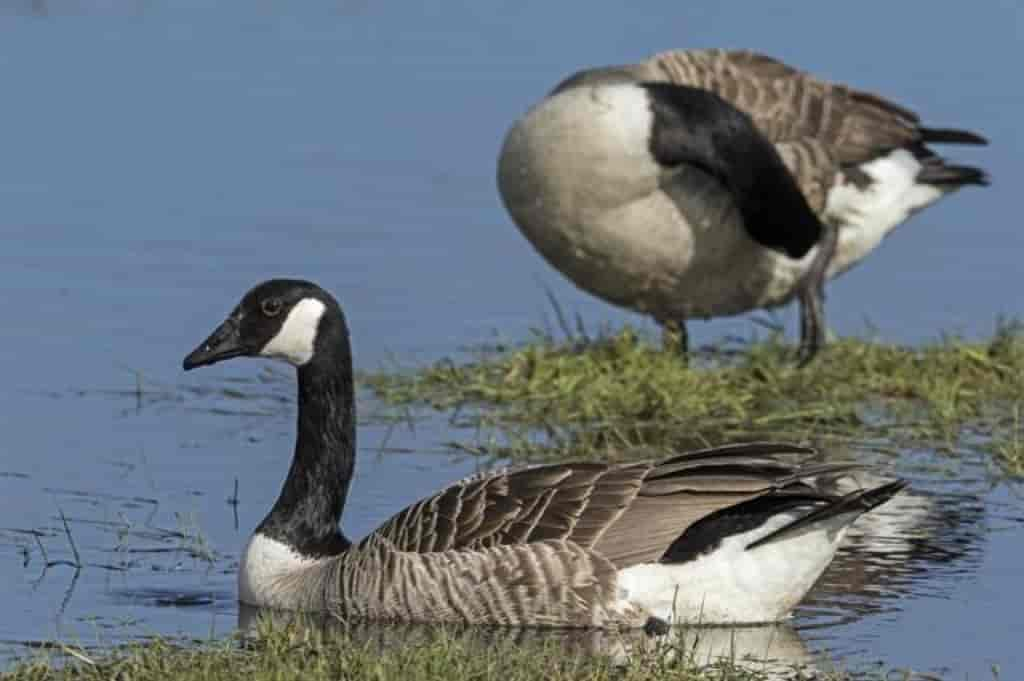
157	159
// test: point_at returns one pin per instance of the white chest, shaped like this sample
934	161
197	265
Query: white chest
262	574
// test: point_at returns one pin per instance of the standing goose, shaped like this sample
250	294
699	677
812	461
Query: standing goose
708	183
725	535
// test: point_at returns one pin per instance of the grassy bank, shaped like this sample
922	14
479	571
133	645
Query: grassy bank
599	398
302	653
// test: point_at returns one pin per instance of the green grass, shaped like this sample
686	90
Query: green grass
602	398
300	652
1008	450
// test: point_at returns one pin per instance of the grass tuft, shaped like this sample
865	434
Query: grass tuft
1008	448
600	397
311	654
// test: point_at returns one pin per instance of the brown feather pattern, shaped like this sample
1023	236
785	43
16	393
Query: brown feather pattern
817	126
543	545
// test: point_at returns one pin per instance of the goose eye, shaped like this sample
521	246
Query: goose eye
271	307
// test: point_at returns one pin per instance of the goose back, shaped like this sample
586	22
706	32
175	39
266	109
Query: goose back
788	105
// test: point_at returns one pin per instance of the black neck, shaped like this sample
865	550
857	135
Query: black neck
697	128
307	513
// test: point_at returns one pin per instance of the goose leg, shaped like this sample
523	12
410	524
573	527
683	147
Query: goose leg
675	337
812	296
812	337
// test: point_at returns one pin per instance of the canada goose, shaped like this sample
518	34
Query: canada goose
730	534
710	183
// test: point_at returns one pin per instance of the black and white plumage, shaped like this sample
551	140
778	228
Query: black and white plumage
728	534
710	183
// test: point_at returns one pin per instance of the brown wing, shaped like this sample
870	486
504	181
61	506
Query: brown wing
682	490
574	502
627	513
813	167
789	105
460	515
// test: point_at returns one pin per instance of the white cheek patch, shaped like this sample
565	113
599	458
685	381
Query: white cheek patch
294	342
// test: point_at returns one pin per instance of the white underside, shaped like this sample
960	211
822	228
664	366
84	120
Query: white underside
265	563
866	216
732	584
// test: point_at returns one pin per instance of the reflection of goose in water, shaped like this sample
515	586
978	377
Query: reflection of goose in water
904	548
772	648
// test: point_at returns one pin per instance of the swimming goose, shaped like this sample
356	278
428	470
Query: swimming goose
728	534
708	183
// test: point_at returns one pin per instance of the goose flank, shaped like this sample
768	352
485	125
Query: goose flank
722	535
709	183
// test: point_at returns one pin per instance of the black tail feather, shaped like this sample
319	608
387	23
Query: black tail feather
860	501
951	176
707	534
946	176
950	136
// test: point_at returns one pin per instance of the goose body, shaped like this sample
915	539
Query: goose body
659	186
733	534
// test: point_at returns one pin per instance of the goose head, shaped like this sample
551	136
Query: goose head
290	320
297	322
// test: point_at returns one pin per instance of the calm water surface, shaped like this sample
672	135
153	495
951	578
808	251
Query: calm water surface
157	159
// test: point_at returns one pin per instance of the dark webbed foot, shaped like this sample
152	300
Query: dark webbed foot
812	297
